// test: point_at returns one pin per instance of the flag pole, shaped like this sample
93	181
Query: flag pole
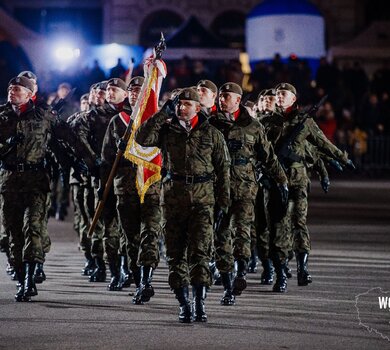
157	54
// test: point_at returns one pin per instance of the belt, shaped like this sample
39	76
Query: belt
240	161
22	167
191	179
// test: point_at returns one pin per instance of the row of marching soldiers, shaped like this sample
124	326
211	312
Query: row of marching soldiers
228	187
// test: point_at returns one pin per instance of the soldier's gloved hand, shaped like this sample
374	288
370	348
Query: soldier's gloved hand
335	164
283	190
234	145
15	140
349	165
80	167
218	216
325	183
95	171
121	145
169	107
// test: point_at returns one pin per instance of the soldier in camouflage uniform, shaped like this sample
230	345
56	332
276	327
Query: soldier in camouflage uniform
194	154
92	128
280	126
247	145
24	185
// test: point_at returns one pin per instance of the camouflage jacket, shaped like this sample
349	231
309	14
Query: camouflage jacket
256	148
200	152
124	181
38	127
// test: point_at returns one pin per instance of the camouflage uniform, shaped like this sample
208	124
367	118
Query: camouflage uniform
24	181
191	160
255	147
143	227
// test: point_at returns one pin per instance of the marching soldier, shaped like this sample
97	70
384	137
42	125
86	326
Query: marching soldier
207	91
247	145
26	132
194	153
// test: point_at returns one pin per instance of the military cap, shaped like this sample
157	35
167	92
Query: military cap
136	81
28	74
84	97
189	94
269	92
286	86
208	84
231	87
102	85
22	81
93	87
118	83
249	104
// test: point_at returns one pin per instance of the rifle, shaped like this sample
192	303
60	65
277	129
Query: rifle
157	53
285	153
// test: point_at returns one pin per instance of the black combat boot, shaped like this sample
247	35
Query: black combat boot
199	295
10	270
39	275
137	282
89	266
228	298
267	276
288	269
185	314
19	296
280	285
115	275
252	266
239	283
30	288
303	275
126	276
99	274
145	290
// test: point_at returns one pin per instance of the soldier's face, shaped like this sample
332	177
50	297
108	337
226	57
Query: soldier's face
100	97
84	105
92	97
18	95
269	103
207	97
229	102
187	109
260	105
285	98
133	95
115	94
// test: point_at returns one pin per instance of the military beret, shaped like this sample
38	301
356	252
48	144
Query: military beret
84	97
136	81
28	74
249	104
269	92
286	86
93	87
231	87
22	81
102	85
118	83
189	94
208	84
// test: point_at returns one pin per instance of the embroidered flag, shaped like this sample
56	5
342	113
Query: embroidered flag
148	159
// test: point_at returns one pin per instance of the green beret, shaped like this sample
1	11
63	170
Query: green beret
118	83
286	86
208	84
189	94
136	81
28	74
22	81
84	97
231	87
102	85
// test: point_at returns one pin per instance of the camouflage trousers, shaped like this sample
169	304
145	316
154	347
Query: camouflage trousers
233	241
90	198
188	236
261	226
278	224
23	217
81	216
